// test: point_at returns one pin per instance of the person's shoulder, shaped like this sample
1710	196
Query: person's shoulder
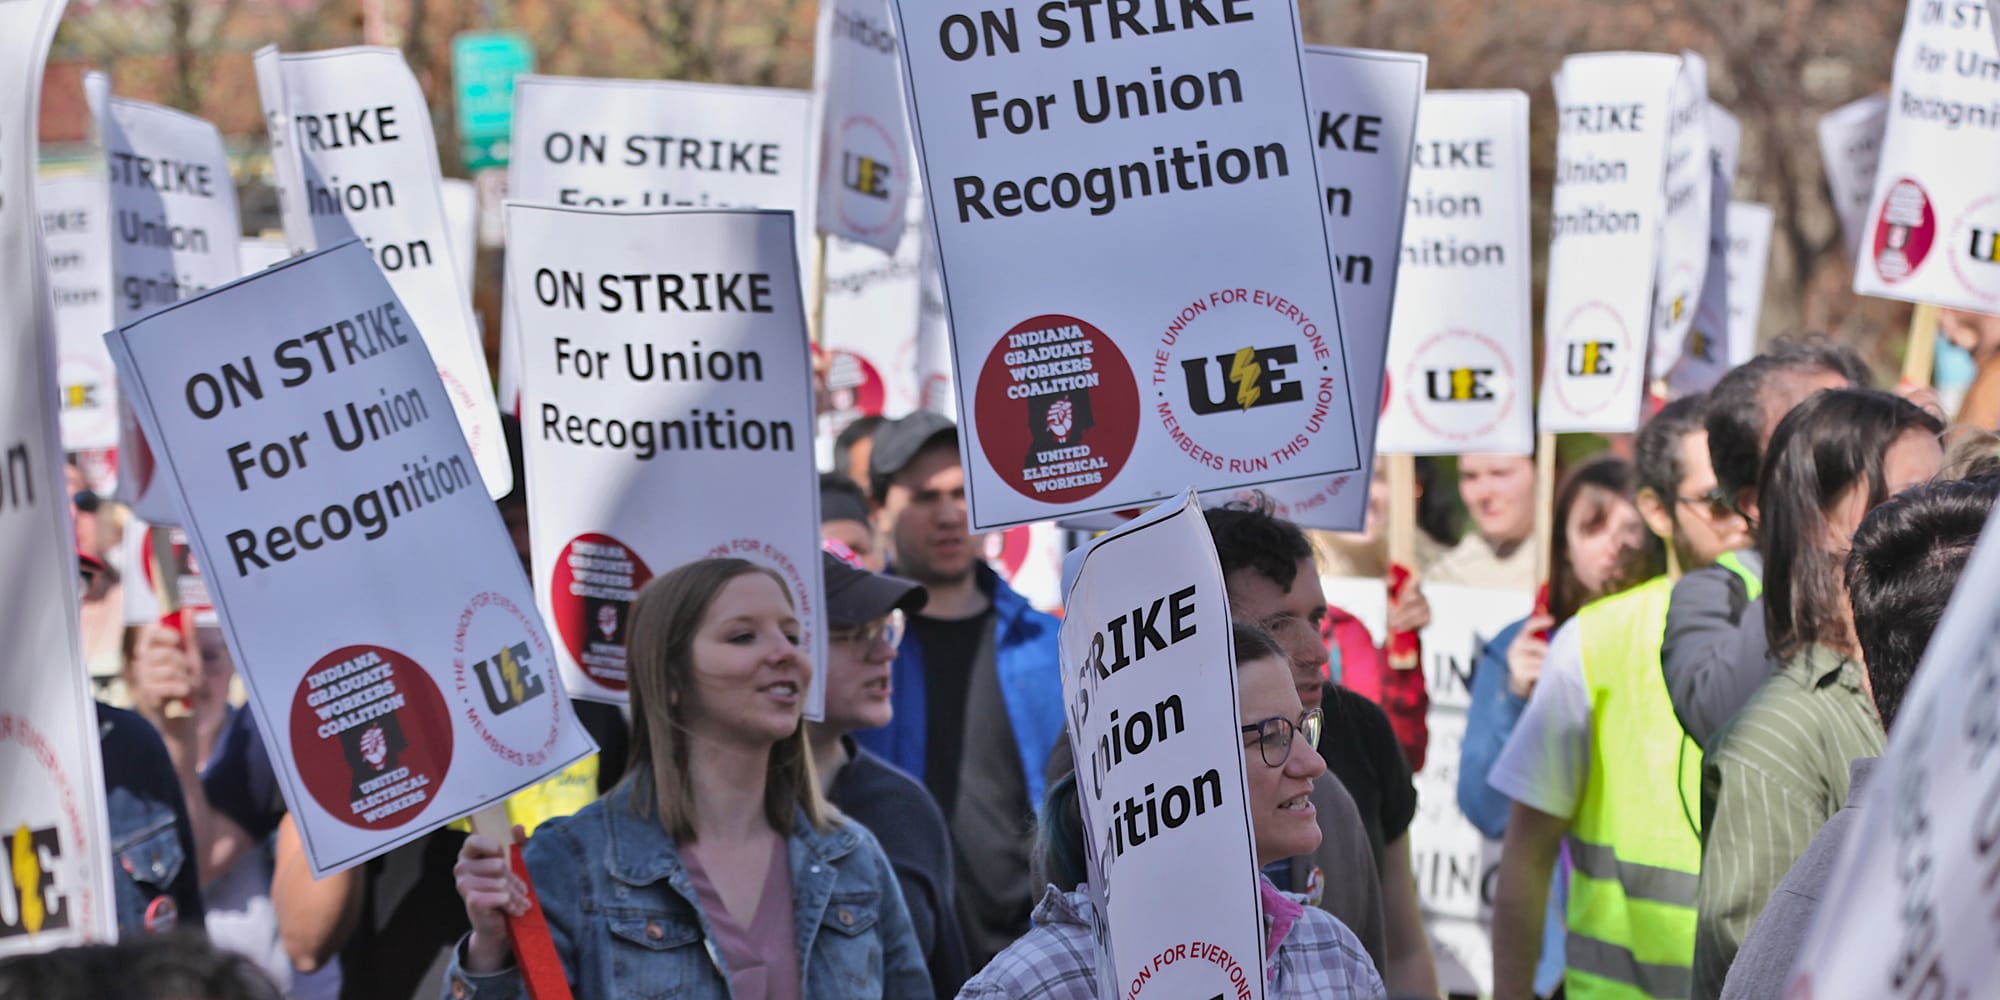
1353	710
1053	961
1321	940
869	786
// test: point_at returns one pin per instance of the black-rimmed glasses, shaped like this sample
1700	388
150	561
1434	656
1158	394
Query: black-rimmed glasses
1275	735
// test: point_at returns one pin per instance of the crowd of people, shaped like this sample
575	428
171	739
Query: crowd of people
1669	748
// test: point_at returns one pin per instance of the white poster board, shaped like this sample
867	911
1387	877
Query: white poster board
1454	863
1118	332
1151	697
1850	144
666	415
55	890
175	234
461	219
1683	263
355	156
1933	224
1749	258
874	308
867	167
1912	908
1611	144
422	687
1707	353
1461	357
76	234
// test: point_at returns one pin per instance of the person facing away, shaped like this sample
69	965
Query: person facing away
1780	769
1499	493
1309	953
976	690
1598	764
1715	655
1272	579
865	620
1908	556
715	868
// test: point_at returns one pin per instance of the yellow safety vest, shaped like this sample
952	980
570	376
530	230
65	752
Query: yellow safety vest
562	794
1751	581
1634	843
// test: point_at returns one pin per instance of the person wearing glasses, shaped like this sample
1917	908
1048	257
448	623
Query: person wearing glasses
1715	655
865	623
1309	952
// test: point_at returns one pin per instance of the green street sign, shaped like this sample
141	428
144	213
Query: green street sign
483	67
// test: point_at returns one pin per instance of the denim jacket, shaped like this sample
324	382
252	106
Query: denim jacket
623	913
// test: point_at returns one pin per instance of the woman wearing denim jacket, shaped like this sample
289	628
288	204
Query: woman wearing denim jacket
715	869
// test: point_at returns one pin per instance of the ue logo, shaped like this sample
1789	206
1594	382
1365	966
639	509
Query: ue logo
864	176
1459	385
27	904
1589	358
1252	372
80	395
518	685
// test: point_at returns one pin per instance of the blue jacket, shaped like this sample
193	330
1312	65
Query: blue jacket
624	914
1025	654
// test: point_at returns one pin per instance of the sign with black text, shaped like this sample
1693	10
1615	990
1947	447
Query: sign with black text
1850	144
76	235
313	446
1118	332
867	166
1150	691
1706	353
1684	245
55	889
666	415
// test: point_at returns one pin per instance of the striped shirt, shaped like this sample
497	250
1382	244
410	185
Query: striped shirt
1777	773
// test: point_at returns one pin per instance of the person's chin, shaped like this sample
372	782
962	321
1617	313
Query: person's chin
1311	693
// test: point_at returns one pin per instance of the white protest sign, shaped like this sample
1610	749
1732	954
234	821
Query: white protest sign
76	233
874	308
1683	263
1850	144
1149	687
55	890
1071	159
1749	257
1461	361
1454	863
257	254
1933	224
1706	353
666	415
176	233
352	145
318	460
1609	200
866	163
1913	906
461	217
936	390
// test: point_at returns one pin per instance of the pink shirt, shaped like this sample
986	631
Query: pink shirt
763	958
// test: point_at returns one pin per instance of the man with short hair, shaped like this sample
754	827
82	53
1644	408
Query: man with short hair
1907	558
1676	483
1499	493
1272	580
1715	655
865	616
976	687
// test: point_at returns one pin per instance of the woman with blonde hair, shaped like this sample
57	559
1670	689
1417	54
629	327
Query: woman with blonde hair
715	868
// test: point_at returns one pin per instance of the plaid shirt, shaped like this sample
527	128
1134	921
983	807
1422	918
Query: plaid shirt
1318	957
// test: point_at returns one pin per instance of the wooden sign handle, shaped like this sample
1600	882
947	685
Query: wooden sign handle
1545	504
1922	354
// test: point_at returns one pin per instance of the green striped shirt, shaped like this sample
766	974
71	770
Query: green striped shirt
1776	775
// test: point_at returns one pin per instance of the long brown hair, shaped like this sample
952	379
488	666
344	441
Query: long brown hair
1602	483
660	652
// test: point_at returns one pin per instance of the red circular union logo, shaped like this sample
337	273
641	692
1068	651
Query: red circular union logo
590	592
1057	409
371	735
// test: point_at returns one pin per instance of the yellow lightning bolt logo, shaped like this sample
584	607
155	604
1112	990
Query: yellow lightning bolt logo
28	880
1244	372
510	671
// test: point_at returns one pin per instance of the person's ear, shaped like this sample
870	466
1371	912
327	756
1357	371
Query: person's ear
1746	505
1659	517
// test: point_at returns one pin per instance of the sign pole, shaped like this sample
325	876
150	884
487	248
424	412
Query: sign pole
816	315
1922	353
1402	527
1545	504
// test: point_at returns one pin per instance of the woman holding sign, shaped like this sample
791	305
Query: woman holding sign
1310	952
715	866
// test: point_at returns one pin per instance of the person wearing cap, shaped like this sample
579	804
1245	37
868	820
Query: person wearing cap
977	692
865	621
844	518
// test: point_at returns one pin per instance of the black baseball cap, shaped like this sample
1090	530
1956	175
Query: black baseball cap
854	596
898	442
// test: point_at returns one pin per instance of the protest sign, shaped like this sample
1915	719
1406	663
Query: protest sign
1850	144
1933	224
461	217
352	146
55	890
1749	256
76	235
1029	557
666	415
176	234
866	163
1064	220
258	254
873	312
1912	907
1706	353
1461	362
1610	195
1150	691
312	444
1683	263
935	389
